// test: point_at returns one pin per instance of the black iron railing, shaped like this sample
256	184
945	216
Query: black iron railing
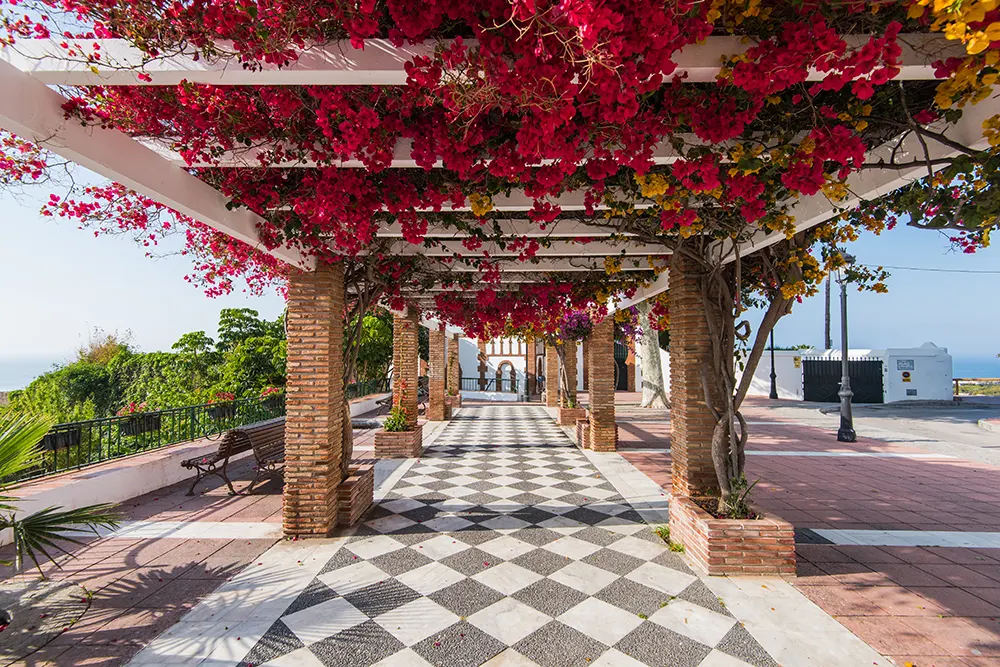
505	385
79	444
359	389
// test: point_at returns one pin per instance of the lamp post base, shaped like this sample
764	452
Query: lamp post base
846	435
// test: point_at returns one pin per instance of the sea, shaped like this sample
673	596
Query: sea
18	373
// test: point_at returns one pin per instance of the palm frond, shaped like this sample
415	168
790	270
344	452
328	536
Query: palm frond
41	533
19	438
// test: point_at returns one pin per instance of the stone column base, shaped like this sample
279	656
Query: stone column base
399	445
603	443
732	546
355	494
568	416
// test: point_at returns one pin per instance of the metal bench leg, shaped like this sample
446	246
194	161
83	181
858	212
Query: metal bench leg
224	476
197	478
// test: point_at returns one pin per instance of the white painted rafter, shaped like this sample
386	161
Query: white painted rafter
552	249
402	156
33	111
378	63
515	227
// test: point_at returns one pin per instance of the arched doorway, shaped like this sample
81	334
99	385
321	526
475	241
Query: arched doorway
506	377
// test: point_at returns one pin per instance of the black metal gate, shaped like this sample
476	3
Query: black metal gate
621	368
821	380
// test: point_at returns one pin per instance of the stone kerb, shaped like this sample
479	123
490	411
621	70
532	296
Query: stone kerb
732	546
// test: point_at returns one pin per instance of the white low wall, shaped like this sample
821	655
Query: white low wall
113	481
366	404
122	479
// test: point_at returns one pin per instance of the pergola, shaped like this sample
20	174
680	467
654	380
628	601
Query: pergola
575	246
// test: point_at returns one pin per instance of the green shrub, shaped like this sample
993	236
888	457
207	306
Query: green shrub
396	421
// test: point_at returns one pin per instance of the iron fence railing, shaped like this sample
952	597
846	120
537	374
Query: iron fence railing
76	445
504	385
367	388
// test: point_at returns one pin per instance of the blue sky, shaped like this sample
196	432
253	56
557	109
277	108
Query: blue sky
61	282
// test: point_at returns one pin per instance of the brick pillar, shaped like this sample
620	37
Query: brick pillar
529	367
630	368
603	431
454	370
570	396
551	377
314	398
405	355
691	422
436	409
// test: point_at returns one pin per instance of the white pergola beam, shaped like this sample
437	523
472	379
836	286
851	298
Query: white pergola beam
514	227
552	265
554	249
402	157
33	111
379	63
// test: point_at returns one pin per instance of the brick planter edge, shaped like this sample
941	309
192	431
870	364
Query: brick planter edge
732	546
399	445
568	416
355	494
454	401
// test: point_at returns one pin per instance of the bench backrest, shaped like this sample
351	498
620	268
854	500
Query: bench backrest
266	437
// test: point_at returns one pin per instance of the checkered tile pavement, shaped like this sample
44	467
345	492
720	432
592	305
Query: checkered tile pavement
503	543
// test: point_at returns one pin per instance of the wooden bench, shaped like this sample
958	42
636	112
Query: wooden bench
266	439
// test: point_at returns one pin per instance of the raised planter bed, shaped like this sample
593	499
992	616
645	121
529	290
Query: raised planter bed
568	416
454	402
355	494
399	444
732	546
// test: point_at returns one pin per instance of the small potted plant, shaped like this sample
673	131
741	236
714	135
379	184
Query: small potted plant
399	438
137	422
225	409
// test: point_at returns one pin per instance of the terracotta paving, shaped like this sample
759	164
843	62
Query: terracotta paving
143	586
927	606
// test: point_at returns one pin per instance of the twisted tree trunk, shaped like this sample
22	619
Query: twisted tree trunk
654	394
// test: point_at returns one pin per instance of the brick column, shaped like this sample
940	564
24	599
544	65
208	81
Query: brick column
630	369
551	377
405	355
314	398
691	422
570	347
454	370
436	409
603	435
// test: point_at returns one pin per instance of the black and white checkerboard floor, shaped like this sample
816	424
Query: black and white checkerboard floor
503	545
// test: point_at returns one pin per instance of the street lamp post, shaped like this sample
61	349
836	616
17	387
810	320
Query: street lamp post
774	376
846	431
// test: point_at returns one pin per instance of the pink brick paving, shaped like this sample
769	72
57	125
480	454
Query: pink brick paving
931	607
142	587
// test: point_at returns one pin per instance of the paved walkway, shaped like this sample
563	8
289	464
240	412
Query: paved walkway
900	541
502	545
